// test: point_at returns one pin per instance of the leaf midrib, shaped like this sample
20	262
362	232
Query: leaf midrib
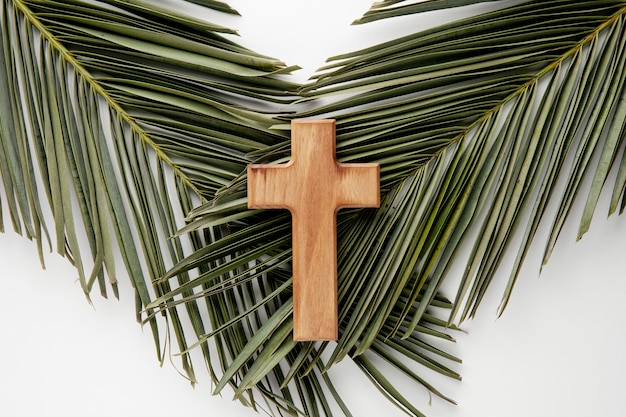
68	57
533	80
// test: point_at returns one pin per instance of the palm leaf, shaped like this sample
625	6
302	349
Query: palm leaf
469	149
538	41
139	122
95	97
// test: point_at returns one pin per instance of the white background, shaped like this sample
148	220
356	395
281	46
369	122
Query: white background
558	350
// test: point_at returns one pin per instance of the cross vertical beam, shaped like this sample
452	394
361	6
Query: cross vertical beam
313	186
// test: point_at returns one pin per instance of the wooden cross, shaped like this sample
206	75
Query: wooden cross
313	186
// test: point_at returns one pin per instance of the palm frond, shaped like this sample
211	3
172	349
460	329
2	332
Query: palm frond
129	116
469	148
437	89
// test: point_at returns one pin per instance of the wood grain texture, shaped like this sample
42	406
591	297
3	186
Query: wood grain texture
313	186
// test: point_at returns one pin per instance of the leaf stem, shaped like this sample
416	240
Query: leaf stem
538	76
99	90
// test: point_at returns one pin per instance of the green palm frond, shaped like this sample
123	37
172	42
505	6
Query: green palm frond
139	122
130	116
469	149
492	89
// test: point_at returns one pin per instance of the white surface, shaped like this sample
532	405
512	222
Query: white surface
557	351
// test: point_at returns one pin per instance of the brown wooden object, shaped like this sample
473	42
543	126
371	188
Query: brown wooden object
313	186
